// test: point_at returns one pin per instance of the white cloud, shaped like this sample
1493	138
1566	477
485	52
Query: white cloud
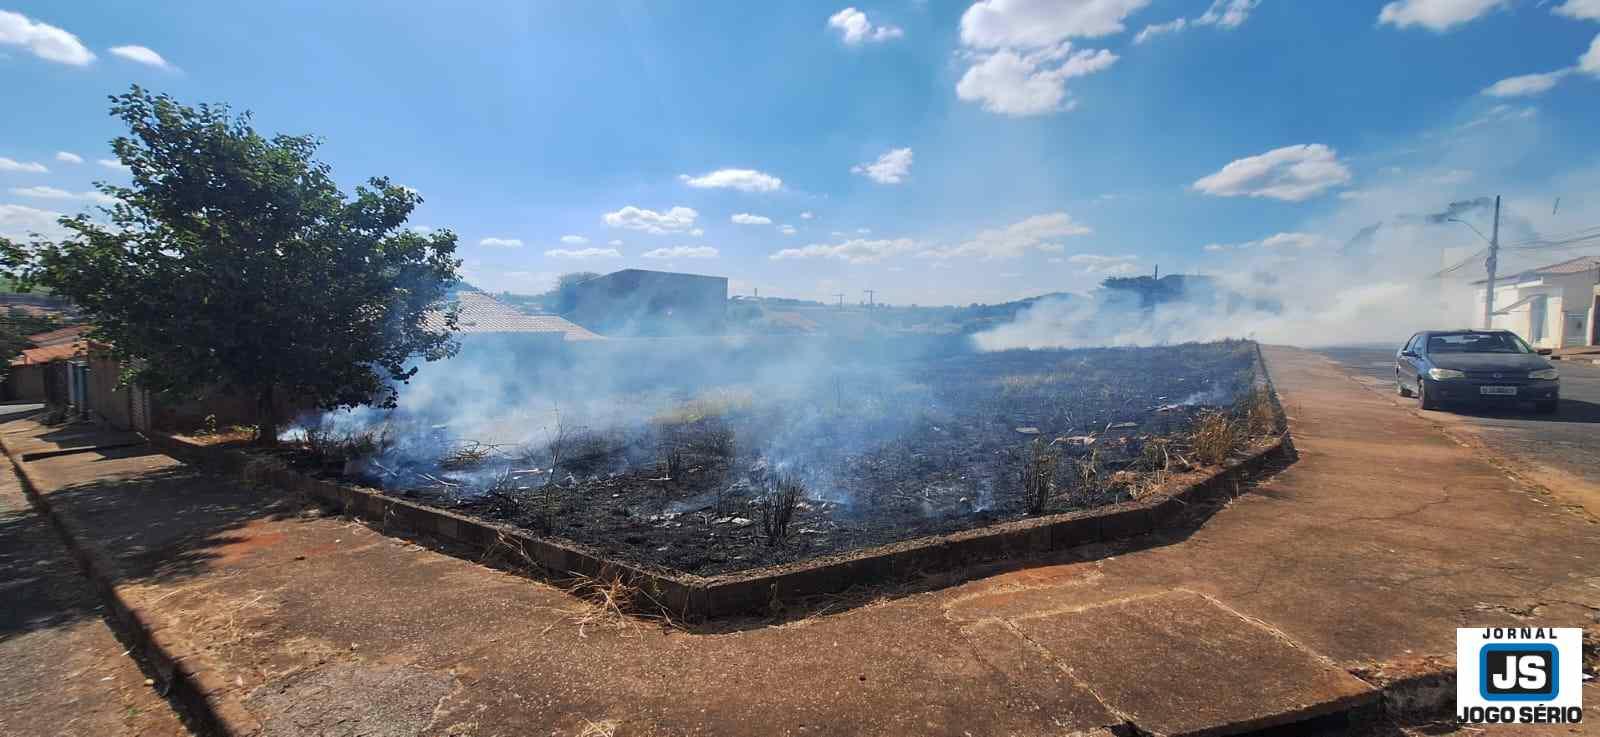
1436	15
43	40
992	24
1589	63
854	28
113	164
681	252
614	243
806	215
855	251
1579	9
1017	83
142	55
1103	265
1052	247
1226	14
890	168
1525	85
31	167
744	180
55	193
787	229
1276	241
69	157
745	218
501	242
675	220
582	253
1291	173
1453	176
863	231
1160	29
697	232
21	222
574	240
1016	239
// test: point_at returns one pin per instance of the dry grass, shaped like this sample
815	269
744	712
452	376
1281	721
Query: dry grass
1260	415
464	455
612	603
1215	436
1039	477
778	506
330	446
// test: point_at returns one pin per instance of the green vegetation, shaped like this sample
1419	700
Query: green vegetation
235	261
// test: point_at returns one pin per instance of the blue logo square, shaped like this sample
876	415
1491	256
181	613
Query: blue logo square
1511	671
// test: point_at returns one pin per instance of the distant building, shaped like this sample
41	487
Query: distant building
636	302
1550	306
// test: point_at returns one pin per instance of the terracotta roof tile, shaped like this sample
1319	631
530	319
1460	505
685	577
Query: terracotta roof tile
481	313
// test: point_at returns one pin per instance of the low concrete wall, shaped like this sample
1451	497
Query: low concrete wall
695	597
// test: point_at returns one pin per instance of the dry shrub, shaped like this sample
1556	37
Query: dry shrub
328	446
613	602
1260	415
1039	477
778	506
673	463
465	455
1215	436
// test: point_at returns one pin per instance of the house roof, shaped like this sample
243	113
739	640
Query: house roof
479	313
1571	266
58	336
1577	265
46	354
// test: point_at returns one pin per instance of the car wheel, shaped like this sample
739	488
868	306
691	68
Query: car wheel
1423	399
1400	386
1547	408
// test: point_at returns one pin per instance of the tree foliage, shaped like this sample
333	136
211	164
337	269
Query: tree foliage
235	261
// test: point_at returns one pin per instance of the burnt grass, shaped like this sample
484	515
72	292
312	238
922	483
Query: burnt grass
883	456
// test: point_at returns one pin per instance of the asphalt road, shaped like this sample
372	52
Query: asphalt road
1563	448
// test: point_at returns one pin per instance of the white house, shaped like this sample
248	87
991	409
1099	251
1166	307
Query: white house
1551	306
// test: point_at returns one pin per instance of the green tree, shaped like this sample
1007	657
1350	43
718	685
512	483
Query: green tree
235	261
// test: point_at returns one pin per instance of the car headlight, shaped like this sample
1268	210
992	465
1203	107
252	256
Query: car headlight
1440	374
1548	373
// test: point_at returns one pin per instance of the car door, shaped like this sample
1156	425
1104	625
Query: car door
1407	359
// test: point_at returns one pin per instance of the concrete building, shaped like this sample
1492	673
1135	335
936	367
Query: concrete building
1550	306
636	302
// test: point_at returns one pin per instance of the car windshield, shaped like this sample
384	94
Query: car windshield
1477	343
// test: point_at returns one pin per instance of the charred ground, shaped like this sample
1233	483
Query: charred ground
731	477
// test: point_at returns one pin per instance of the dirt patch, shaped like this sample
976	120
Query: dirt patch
351	699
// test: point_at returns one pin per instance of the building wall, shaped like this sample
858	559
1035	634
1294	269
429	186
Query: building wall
26	382
1561	295
635	302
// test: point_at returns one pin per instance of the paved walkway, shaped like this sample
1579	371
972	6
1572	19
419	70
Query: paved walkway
64	673
1361	557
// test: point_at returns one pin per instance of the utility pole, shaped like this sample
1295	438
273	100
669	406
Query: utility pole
1158	272
1490	264
869	294
840	295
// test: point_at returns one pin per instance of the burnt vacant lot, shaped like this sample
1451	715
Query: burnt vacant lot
731	477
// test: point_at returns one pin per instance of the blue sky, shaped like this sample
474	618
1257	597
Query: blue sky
946	152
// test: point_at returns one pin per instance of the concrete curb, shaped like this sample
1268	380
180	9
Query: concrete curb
203	695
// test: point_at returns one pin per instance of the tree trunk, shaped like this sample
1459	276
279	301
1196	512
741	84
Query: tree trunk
266	417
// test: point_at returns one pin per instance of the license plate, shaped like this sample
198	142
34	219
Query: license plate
1498	391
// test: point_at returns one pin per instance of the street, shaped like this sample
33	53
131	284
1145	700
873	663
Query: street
1558	451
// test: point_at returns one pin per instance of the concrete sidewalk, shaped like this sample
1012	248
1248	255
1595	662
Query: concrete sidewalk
1361	558
65	673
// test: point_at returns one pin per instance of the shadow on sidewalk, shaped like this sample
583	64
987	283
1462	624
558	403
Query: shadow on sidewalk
39	582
